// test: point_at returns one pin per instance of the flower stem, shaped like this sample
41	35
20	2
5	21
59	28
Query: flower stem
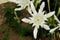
58	12
16	17
48	5
36	3
55	4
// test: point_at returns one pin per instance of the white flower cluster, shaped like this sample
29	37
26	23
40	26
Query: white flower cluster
37	18
58	27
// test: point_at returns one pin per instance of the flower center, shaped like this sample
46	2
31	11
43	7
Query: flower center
37	20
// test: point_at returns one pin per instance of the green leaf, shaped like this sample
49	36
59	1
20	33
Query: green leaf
36	3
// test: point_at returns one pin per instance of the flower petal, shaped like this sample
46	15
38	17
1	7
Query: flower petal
33	25
33	8
56	19
15	1
26	20
18	9
59	28
42	7
52	30
29	10
46	27
41	13
35	32
49	14
32	1
37	0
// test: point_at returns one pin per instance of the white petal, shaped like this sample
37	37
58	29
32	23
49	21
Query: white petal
37	0
26	20
49	14
59	24
15	1
59	28
32	1
29	10
41	13
18	9
46	27
33	25
56	19
33	8
31	22
31	18
35	32
42	7
52	30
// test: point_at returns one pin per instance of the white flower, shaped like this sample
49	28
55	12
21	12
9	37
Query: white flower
52	30
37	1
22	3
3	1
56	19
38	18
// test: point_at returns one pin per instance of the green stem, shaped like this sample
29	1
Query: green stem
58	11
35	3
55	4
15	14
16	17
50	19
48	5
